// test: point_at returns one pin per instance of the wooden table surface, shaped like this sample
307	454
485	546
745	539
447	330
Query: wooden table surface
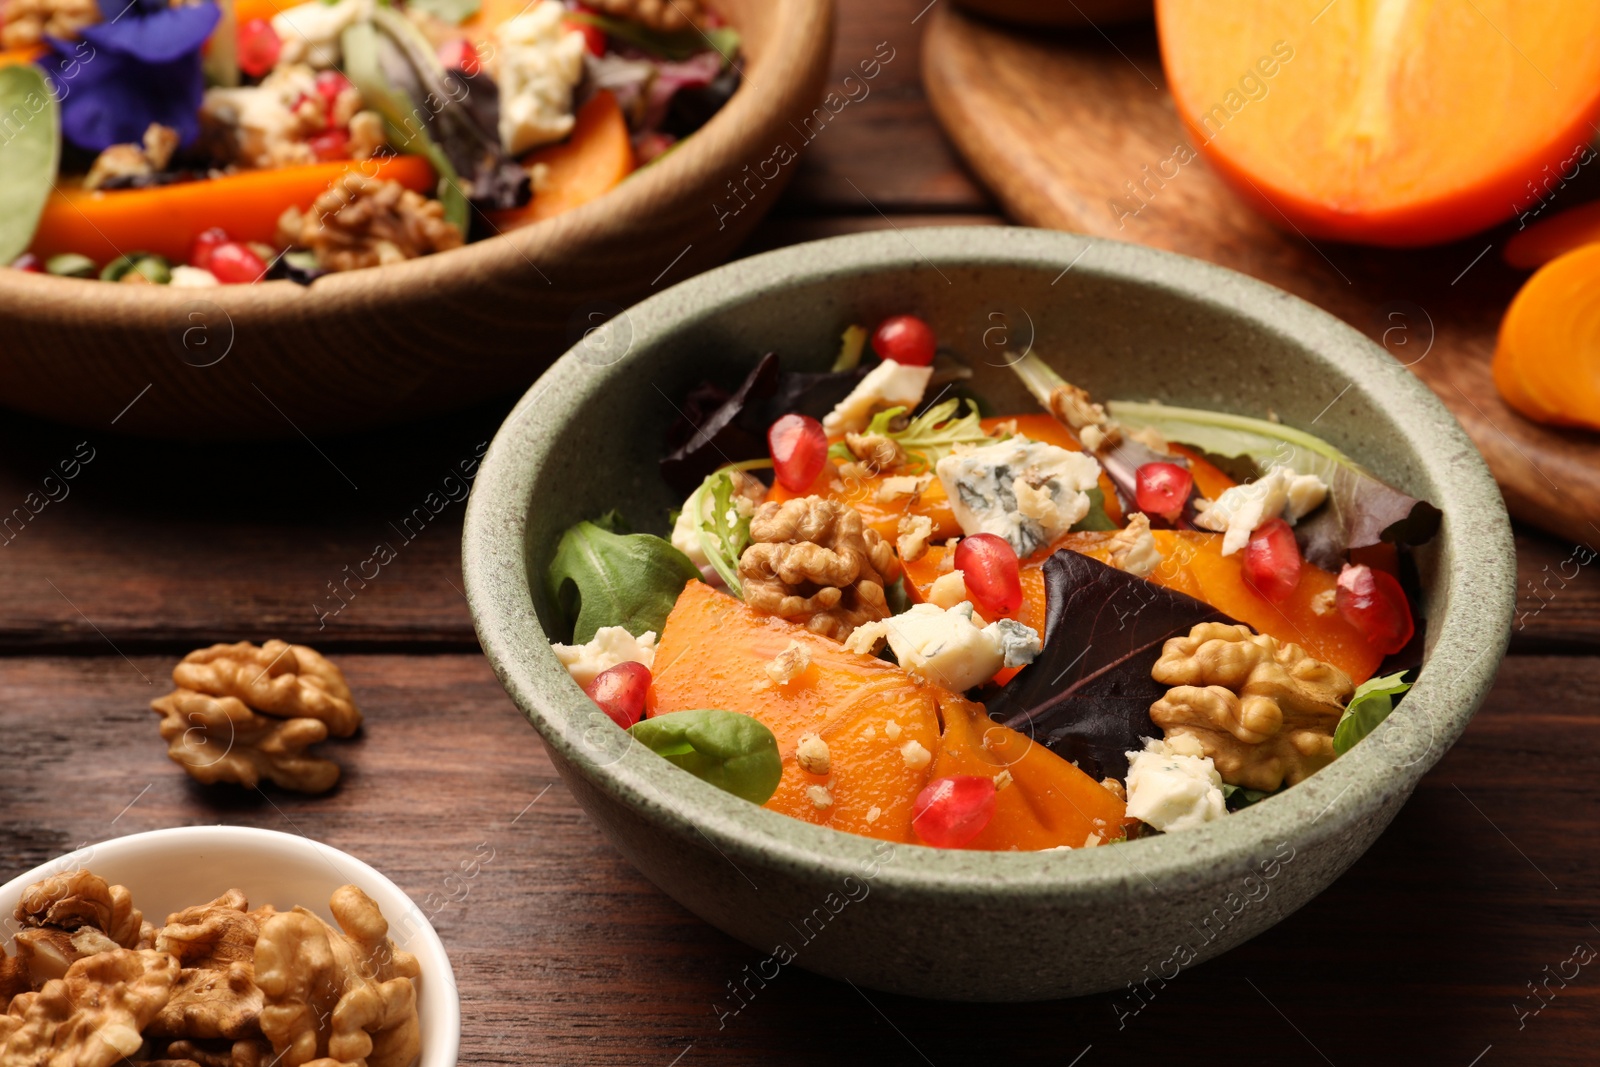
1446	944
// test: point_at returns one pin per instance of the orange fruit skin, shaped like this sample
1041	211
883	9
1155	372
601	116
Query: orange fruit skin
591	162
713	653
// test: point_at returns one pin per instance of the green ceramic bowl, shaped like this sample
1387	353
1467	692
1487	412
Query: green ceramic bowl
1123	321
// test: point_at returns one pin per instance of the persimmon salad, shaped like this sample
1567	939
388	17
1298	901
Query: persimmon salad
206	142
880	611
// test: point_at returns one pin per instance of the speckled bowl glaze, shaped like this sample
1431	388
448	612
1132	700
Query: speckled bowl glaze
1123	321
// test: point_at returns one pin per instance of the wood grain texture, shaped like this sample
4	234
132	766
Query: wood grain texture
154	546
1077	132
364	348
564	955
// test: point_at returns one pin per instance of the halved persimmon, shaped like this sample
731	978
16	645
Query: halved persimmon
1547	360
1389	122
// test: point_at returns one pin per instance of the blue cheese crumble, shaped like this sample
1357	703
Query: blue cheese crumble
1028	492
947	646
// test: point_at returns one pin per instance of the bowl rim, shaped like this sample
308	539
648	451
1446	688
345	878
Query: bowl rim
800	30
441	1042
1465	643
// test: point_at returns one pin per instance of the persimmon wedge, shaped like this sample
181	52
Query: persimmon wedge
1388	122
1547	359
887	735
591	162
165	219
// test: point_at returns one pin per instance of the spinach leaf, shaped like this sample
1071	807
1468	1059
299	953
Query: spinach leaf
600	578
28	155
1097	519
1237	796
731	751
1371	703
1361	510
1087	696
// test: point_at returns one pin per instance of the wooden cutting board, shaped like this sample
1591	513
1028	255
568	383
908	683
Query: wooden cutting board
1076	131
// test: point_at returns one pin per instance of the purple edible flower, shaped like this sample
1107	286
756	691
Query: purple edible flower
140	65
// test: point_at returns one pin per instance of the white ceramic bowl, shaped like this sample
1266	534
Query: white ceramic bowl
168	870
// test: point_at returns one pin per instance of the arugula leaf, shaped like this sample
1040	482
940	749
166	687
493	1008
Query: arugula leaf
678	45
1087	696
851	342
601	578
455	12
1361	510
1097	519
28	156
1369	705
725	532
932	435
731	751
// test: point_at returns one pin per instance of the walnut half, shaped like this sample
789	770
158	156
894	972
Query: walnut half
364	222
1264	712
813	561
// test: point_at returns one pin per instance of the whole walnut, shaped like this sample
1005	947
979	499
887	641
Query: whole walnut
1264	712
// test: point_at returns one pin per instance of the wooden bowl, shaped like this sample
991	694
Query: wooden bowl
392	343
1064	13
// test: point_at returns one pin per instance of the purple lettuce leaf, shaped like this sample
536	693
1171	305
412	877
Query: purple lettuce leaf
1087	696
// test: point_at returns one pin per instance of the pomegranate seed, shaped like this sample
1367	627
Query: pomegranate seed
235	264
1272	561
460	54
330	145
904	339
28	262
1373	602
620	692
330	83
988	564
952	811
799	449
258	47
204	245
1162	489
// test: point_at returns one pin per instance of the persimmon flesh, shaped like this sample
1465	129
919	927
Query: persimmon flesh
1388	122
1547	360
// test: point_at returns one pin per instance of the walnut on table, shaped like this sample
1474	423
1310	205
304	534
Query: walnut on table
665	15
283	680
212	732
364	222
25	23
92	1017
813	561
342	997
1264	712
219	739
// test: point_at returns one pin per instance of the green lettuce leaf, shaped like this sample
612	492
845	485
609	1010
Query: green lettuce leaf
1097	519
603	578
29	154
723	540
731	751
1371	703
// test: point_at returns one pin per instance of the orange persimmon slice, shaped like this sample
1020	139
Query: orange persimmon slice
1547	360
592	161
882	729
1389	122
165	219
